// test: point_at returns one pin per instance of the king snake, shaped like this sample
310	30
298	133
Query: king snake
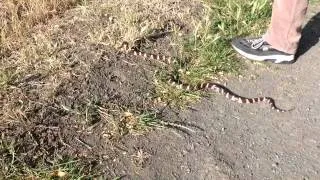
209	86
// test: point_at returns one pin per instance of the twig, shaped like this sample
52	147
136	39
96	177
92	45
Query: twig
83	143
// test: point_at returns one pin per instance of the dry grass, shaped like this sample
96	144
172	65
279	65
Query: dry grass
50	49
22	47
24	50
32	48
17	18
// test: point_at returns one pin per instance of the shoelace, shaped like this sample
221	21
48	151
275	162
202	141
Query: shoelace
256	43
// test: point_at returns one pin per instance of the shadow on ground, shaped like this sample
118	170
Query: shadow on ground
310	35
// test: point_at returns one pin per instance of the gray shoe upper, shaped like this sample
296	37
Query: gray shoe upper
260	50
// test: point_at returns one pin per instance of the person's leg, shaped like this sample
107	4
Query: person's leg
280	42
285	29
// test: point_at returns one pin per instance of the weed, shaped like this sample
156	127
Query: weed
140	158
119	123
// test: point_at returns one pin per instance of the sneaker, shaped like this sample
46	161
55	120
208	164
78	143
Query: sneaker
259	50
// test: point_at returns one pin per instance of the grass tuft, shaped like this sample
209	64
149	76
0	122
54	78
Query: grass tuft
13	168
210	42
207	53
119	123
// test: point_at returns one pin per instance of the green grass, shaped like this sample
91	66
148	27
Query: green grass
207	53
6	78
227	20
314	1
11	167
146	120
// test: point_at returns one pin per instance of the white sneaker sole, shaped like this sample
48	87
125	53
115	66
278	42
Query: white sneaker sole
278	59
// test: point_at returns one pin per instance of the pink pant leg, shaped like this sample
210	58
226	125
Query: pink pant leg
285	29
